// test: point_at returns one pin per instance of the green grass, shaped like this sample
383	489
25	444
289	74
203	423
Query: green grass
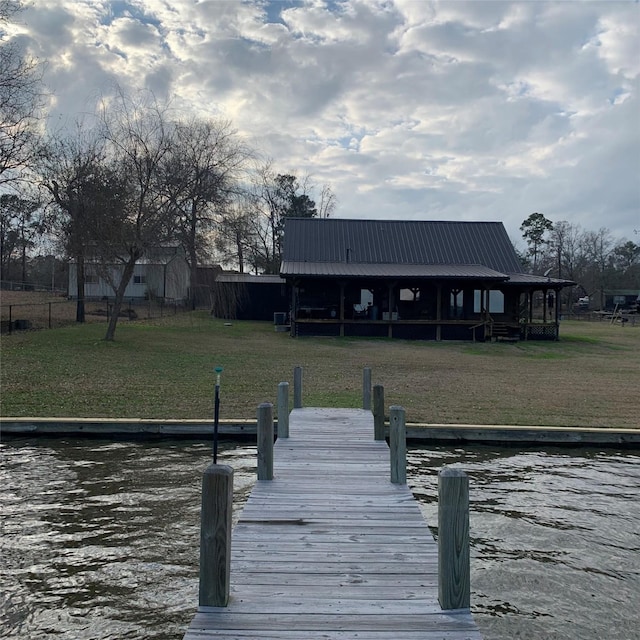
164	369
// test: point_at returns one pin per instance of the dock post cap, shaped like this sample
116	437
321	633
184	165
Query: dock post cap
452	472
218	469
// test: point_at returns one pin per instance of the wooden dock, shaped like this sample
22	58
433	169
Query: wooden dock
330	548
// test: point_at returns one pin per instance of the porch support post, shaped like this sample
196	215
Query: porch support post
486	302
342	308
293	315
556	294
390	286
439	312
544	305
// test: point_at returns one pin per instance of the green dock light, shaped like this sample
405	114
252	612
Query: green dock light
216	414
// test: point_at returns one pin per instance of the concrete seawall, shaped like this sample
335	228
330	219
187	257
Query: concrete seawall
240	428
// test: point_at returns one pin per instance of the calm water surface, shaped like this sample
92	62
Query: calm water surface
100	539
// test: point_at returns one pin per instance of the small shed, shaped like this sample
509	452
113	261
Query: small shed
413	279
623	299
243	296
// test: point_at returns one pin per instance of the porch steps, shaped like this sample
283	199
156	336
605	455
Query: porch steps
502	332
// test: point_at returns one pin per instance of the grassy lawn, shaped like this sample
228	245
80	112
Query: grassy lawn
164	369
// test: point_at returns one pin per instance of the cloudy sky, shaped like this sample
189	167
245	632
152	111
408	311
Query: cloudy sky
409	109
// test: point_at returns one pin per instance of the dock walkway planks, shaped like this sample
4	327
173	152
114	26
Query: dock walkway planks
330	548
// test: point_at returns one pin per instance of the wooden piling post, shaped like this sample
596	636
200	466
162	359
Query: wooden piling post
378	412
398	445
297	388
215	536
454	577
265	441
366	388
283	410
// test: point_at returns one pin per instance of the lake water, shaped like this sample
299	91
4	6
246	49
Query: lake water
100	539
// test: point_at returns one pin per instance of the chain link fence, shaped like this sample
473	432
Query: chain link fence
23	316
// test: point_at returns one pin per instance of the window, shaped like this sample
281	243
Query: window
456	300
139	278
90	278
409	295
496	301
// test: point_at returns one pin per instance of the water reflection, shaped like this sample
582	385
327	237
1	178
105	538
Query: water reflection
555	535
100	539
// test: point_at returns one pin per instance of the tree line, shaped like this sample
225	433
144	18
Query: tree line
131	177
594	260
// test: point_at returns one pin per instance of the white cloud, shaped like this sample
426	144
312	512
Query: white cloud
466	110
618	44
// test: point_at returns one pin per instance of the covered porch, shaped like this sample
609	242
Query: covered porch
485	307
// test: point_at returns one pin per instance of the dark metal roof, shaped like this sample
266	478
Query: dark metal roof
367	270
538	281
249	278
399	242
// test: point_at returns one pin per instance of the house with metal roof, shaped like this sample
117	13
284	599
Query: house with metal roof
413	279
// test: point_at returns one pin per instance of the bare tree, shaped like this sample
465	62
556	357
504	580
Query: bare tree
20	100
276	197
200	175
594	260
235	234
327	202
598	247
136	131
250	232
564	253
84	187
